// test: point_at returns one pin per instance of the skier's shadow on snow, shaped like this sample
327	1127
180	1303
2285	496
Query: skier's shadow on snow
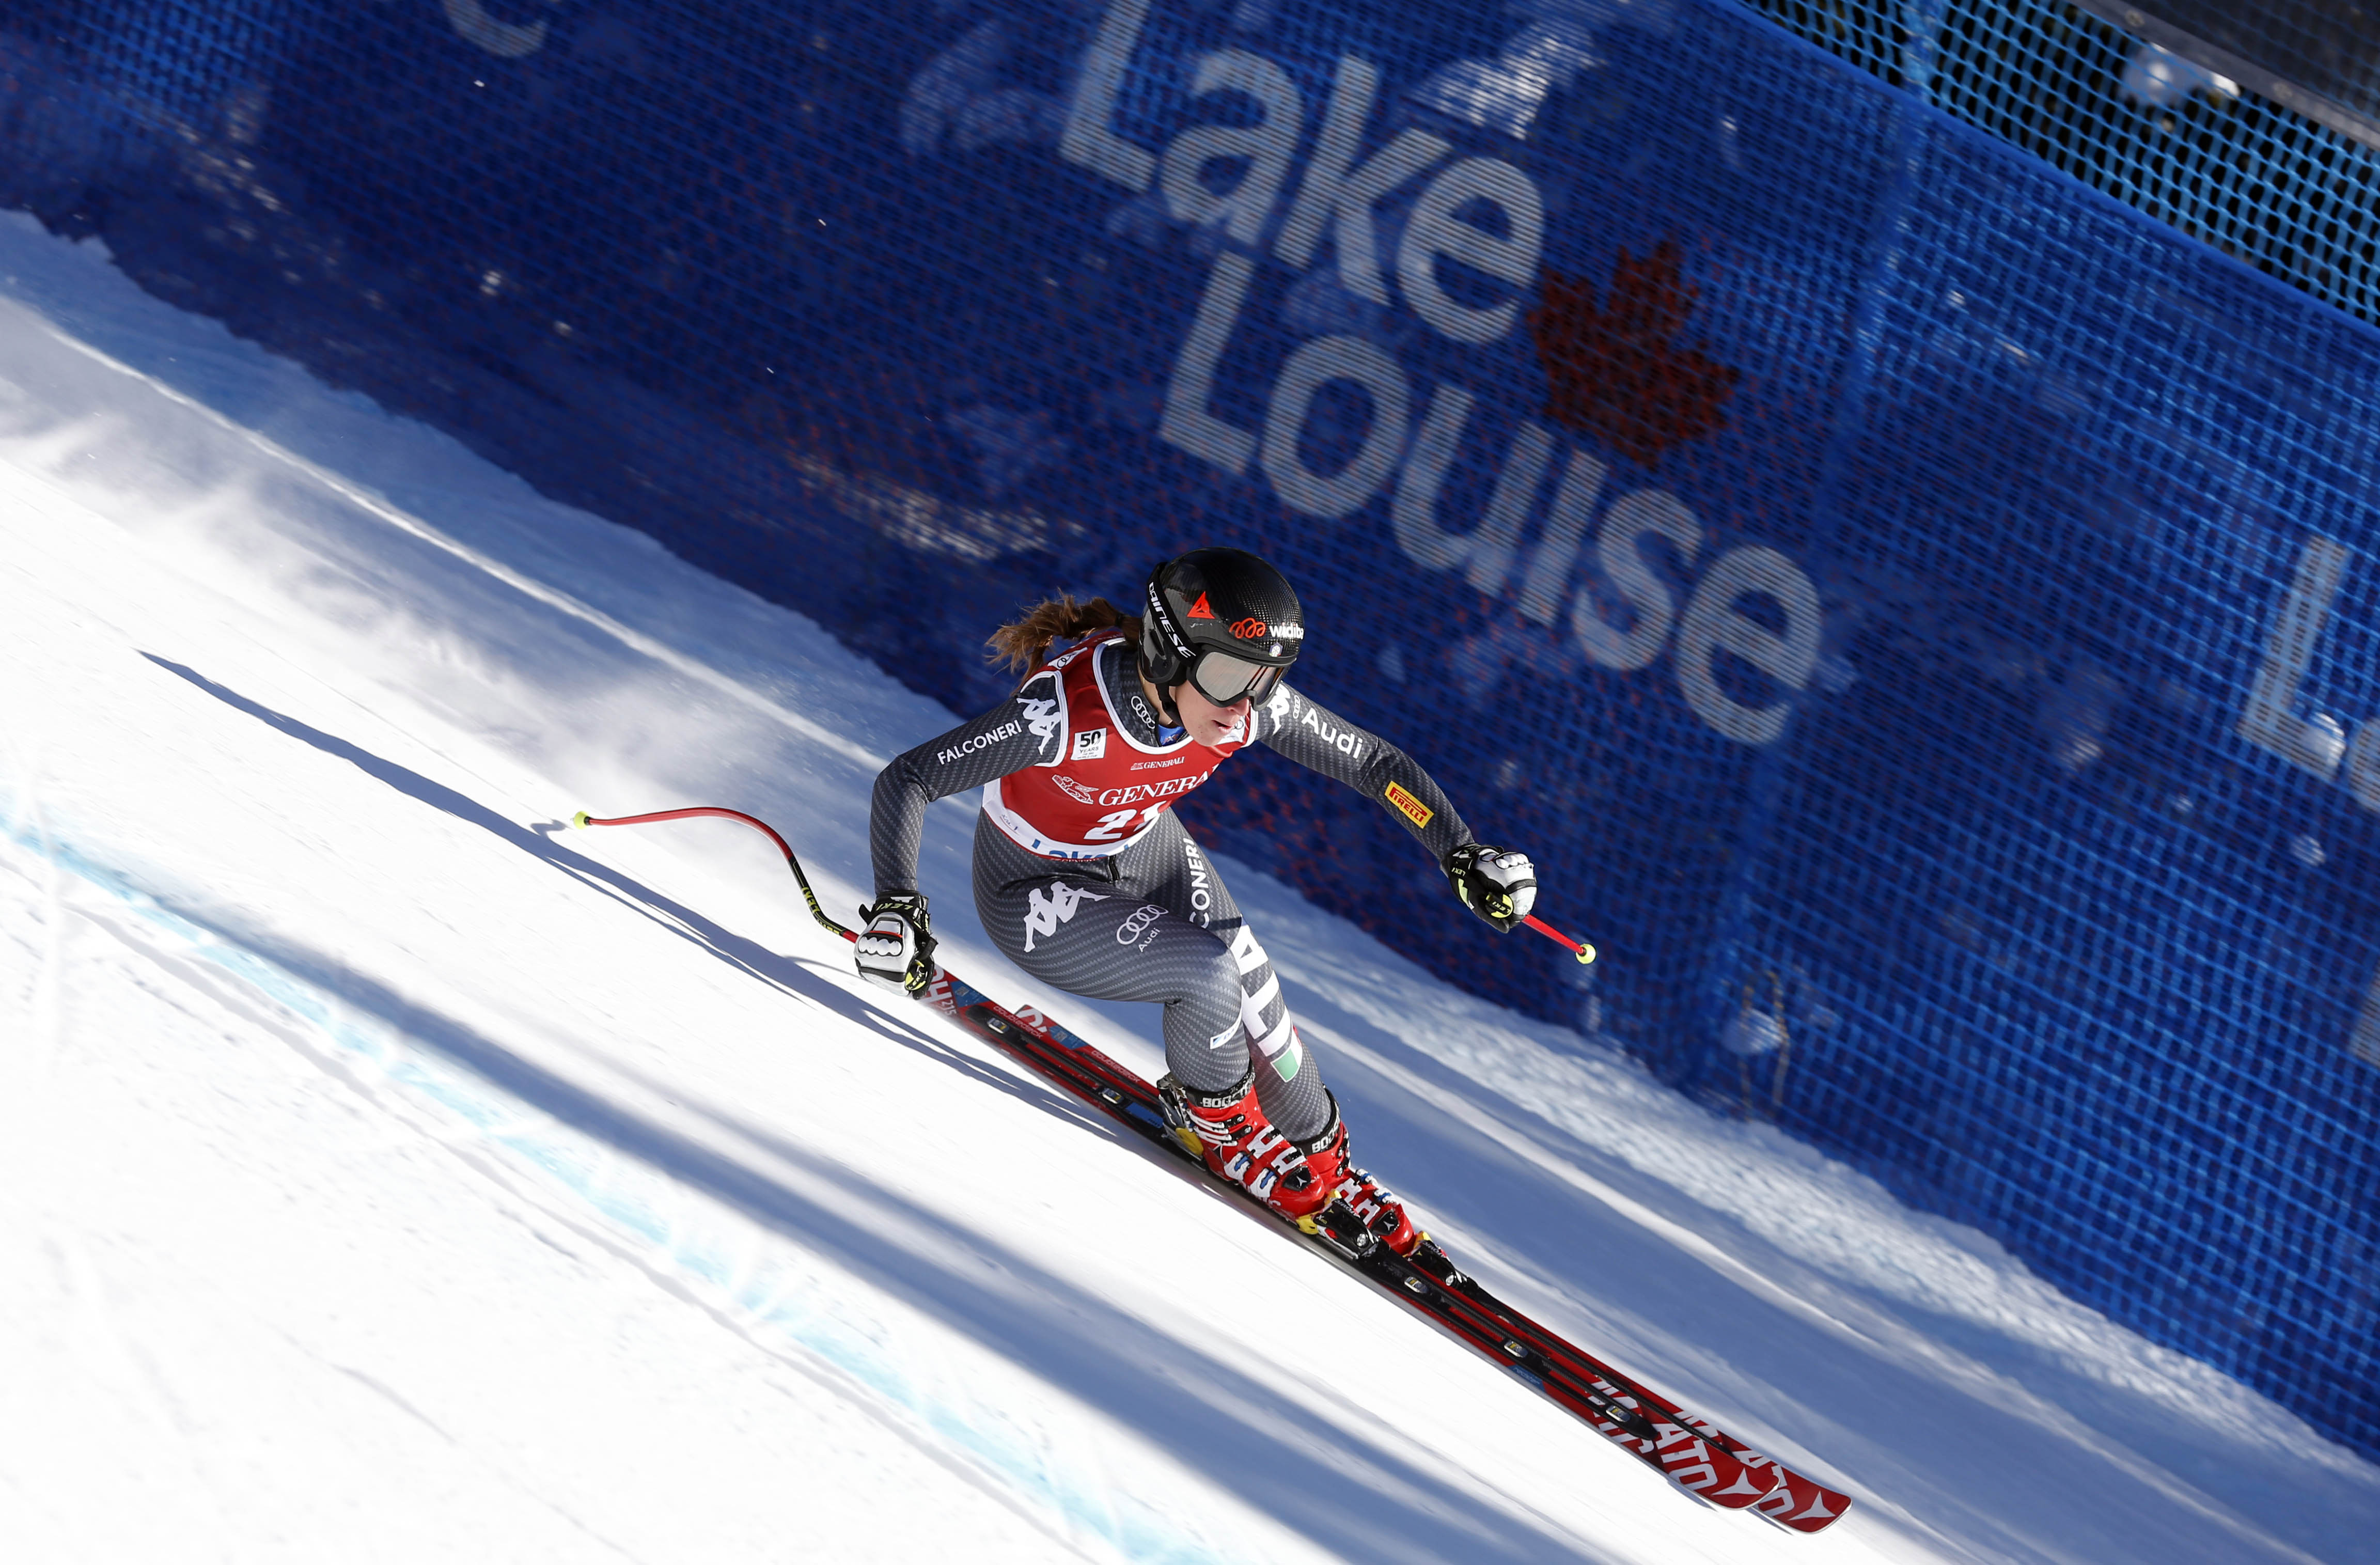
1348	1492
788	973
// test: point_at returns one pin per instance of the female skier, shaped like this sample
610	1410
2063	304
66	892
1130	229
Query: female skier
1085	878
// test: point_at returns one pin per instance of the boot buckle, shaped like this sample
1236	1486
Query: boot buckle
1338	1226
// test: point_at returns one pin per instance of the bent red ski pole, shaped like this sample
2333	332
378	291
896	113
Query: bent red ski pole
584	819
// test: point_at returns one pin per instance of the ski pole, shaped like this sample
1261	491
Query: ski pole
1580	949
1077	1067
584	819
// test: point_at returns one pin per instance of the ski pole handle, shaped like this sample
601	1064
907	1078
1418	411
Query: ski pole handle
1580	949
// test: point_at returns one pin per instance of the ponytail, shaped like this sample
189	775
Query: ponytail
1021	644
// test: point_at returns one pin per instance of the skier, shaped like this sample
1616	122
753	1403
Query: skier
1087	880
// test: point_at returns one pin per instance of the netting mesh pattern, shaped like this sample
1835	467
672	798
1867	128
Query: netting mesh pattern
1920	613
2291	195
2330	47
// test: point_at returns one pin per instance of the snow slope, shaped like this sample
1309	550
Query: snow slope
389	1173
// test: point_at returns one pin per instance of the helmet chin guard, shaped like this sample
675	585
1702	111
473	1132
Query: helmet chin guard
1222	620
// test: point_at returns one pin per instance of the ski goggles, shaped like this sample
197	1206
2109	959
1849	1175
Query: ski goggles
1224	679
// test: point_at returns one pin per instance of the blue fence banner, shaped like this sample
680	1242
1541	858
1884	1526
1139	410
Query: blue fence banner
1919	611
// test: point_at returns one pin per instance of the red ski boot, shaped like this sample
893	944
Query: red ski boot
1382	1215
1230	1131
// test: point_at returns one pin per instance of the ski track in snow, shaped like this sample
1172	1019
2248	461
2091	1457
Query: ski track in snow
387	1170
723	1266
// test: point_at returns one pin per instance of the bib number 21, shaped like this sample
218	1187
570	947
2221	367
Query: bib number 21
1116	825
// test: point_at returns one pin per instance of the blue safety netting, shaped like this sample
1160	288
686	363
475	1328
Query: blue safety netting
2297	198
1919	611
2293	50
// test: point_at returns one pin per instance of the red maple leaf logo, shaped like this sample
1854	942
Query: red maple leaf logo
1618	372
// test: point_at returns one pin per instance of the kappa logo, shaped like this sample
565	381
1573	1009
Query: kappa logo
1091	743
1132	929
1043	718
1199	611
1044	913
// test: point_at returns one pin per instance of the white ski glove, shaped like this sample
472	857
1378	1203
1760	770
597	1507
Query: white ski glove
897	948
1498	885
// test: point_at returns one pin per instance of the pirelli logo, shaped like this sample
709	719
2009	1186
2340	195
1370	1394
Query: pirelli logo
1412	808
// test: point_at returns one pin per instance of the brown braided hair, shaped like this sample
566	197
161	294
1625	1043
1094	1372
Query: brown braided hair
1021	643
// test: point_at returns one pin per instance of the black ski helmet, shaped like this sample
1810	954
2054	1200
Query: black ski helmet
1223	619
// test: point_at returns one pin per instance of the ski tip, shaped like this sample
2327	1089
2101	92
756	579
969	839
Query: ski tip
581	819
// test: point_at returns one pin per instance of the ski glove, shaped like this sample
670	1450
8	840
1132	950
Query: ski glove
1498	885
897	948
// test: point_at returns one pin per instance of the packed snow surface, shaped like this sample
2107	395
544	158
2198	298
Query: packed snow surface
388	1172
